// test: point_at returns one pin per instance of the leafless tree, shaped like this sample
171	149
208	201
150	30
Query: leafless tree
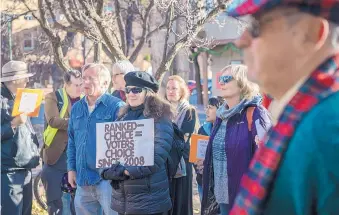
109	29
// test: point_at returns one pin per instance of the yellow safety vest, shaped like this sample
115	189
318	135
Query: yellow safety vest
50	132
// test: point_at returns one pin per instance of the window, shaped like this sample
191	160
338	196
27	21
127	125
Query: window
28	17
28	41
235	62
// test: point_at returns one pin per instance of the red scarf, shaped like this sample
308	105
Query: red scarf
257	183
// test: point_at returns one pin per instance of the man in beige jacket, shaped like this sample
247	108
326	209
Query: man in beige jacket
54	150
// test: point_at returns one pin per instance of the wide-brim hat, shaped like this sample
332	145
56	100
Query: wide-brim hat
141	79
328	9
15	70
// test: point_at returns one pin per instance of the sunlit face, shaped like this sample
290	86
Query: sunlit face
21	83
135	96
91	83
118	80
74	88
211	113
231	88
272	47
173	92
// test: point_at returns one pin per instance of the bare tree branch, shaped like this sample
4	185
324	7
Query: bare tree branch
53	16
104	30
121	26
187	39
144	32
160	27
98	45
169	24
55	39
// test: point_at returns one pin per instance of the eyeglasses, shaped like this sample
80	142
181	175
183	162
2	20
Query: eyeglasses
255	24
134	90
224	79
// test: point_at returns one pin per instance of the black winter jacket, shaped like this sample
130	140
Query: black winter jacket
19	146
147	189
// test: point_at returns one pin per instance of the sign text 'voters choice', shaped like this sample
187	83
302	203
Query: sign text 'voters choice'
129	142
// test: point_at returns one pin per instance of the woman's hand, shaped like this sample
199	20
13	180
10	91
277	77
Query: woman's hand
116	172
200	166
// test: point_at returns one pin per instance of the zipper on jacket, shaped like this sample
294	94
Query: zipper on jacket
148	184
123	192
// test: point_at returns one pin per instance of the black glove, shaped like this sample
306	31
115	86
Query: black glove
115	184
116	172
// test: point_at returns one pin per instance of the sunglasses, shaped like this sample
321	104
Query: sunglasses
224	79
134	90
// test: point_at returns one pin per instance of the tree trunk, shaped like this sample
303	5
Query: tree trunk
180	63
84	49
97	52
198	80
204	69
58	56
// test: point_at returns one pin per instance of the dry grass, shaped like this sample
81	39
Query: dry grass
37	210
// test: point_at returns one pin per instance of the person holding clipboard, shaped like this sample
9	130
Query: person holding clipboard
19	144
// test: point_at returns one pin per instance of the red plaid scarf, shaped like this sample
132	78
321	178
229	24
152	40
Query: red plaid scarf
256	184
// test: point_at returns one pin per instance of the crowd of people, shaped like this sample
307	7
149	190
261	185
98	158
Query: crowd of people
281	161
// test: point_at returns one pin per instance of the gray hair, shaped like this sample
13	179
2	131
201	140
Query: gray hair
101	69
124	66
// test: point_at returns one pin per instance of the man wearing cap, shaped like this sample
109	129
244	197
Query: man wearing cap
97	106
58	106
292	50
119	70
19	144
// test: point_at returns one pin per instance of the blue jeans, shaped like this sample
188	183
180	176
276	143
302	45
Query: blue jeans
16	192
200	192
58	203
89	200
67	204
224	209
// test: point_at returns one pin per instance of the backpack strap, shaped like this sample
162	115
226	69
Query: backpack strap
60	101
249	116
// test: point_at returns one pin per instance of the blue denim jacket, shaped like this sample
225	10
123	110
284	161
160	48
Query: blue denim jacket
81	151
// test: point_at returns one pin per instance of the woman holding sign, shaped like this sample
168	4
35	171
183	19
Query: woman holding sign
185	118
240	120
144	189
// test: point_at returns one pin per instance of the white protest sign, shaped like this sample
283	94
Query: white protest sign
129	142
28	102
201	148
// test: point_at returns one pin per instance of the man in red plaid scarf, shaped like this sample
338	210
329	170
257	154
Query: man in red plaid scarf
292	50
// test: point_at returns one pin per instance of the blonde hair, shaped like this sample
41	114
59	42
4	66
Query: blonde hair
184	91
248	89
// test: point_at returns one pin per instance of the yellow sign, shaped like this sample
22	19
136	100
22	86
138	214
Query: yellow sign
27	101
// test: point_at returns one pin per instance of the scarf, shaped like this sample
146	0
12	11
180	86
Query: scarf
225	113
257	183
182	108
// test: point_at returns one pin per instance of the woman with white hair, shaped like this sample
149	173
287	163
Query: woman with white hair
119	70
234	138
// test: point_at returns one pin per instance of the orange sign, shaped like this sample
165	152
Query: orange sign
27	101
198	147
